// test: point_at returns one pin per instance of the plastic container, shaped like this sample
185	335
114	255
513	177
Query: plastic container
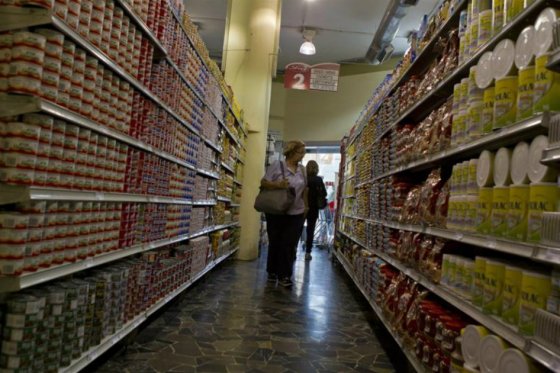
511	295
470	344
491	347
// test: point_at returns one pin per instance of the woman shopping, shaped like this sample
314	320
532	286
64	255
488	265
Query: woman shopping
317	197
284	230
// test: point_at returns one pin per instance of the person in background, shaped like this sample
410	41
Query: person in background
317	197
284	230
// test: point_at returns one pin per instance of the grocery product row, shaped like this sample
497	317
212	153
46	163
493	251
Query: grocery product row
392	110
534	351
63	324
37	235
132	41
59	69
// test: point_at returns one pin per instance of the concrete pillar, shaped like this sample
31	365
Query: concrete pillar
249	61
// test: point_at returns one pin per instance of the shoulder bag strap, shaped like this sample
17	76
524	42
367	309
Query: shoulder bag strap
282	167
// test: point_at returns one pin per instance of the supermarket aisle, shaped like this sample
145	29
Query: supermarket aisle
234	321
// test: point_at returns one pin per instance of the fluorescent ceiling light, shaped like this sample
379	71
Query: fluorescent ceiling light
307	48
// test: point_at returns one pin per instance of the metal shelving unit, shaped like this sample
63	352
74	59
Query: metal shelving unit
89	356
12	18
224	199
210	202
15	194
209	174
509	136
227	167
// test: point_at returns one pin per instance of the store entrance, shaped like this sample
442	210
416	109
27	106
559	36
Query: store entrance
328	159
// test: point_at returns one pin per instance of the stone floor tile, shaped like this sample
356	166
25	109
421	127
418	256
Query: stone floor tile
232	320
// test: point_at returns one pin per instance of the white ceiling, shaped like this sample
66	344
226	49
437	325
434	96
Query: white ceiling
345	28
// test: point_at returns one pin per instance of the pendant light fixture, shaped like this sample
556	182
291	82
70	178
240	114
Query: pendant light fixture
307	47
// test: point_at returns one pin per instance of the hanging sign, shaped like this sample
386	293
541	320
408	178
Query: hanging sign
320	77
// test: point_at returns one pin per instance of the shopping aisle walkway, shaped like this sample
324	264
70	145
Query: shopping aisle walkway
234	321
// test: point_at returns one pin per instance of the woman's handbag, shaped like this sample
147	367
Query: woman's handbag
275	201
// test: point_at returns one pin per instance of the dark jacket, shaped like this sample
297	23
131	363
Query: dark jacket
317	191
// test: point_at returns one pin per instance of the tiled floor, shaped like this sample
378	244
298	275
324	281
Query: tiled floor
234	321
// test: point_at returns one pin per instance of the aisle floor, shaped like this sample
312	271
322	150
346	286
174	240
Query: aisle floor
233	320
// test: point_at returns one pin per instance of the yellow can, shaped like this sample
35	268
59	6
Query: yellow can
511	292
452	273
543	197
546	87
474	129
464	92
505	102
525	92
487	118
493	285
472	187
518	212
500	209
535	290
484	26
478	281
513	8
498	16
445	269
474	36
470	215
467	52
462	46
484	211
458	127
456	98
452	212
475	93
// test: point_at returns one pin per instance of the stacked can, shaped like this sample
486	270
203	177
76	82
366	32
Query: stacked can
24	312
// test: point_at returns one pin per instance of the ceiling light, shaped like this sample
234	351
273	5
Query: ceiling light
307	47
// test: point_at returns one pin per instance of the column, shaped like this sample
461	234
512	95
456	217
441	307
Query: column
249	61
